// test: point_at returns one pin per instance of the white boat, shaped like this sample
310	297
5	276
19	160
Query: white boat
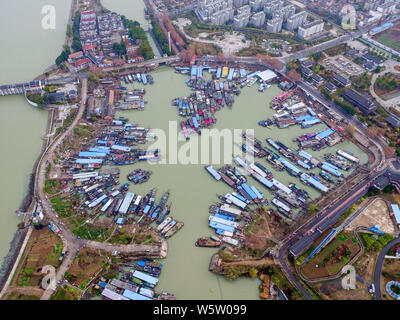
164	223
252	81
168	227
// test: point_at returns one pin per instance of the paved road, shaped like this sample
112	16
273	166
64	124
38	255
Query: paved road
378	267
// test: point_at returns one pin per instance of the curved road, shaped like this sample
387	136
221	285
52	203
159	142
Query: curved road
378	267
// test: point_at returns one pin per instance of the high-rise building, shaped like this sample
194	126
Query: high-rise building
271	7
222	17
275	25
255	4
258	19
208	8
296	20
242	18
307	30
240	3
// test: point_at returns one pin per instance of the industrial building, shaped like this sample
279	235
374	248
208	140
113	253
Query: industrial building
364	103
310	29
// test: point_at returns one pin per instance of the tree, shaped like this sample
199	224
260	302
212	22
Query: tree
188	54
389	151
312	208
253	273
293	76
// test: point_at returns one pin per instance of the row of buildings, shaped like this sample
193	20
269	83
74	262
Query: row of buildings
257	13
98	35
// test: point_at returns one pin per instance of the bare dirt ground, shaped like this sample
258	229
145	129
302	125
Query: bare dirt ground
229	43
87	263
332	290
376	213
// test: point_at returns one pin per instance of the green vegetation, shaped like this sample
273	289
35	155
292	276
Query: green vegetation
28	271
226	255
374	245
76	38
61	294
121	237
388	82
86	231
51	186
387	41
161	39
346	106
136	32
342	237
326	93
62	206
119	48
63	57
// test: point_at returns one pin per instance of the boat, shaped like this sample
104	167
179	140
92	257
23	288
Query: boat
168	227
163	214
205	242
164	200
139	176
174	229
164	223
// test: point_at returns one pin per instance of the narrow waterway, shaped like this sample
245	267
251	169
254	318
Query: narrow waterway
193	190
27	50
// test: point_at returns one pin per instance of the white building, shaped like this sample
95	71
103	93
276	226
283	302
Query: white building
241	20
258	19
386	8
222	17
255	4
310	29
296	20
275	25
271	7
240	3
208	8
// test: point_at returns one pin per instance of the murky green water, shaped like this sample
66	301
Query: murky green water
192	189
26	50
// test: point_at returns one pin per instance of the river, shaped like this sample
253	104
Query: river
27	50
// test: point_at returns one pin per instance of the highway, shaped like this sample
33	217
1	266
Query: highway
378	267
